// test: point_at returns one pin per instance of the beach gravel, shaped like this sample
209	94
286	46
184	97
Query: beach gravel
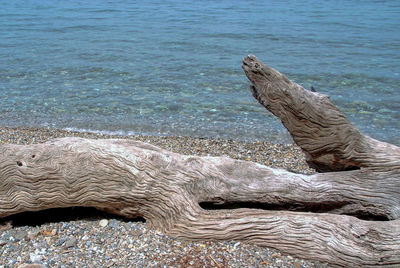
85	237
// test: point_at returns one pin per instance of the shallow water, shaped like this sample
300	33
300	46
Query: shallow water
174	67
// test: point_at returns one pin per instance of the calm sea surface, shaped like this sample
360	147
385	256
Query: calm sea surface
174	67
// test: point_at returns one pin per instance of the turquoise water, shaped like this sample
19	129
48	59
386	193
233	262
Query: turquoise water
174	67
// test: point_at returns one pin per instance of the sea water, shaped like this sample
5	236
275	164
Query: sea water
174	67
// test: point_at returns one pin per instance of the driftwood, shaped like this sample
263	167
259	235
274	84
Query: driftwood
348	214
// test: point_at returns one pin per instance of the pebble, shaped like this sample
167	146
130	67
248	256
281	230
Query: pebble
70	243
84	241
60	241
32	234
20	235
35	257
103	223
114	223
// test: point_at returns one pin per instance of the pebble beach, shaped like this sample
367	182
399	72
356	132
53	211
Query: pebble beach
85	237
169	73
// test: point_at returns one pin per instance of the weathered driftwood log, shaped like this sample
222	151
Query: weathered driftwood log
329	140
320	216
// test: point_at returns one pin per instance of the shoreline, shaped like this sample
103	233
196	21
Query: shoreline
84	237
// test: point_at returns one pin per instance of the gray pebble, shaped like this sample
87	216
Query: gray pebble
12	262
60	241
70	243
20	235
136	233
114	223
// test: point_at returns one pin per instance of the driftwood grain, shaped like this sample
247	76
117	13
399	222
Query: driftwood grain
347	216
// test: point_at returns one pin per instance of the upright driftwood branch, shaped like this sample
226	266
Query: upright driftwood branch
133	179
329	140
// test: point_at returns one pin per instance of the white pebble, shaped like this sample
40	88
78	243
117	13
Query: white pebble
103	223
236	244
35	257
